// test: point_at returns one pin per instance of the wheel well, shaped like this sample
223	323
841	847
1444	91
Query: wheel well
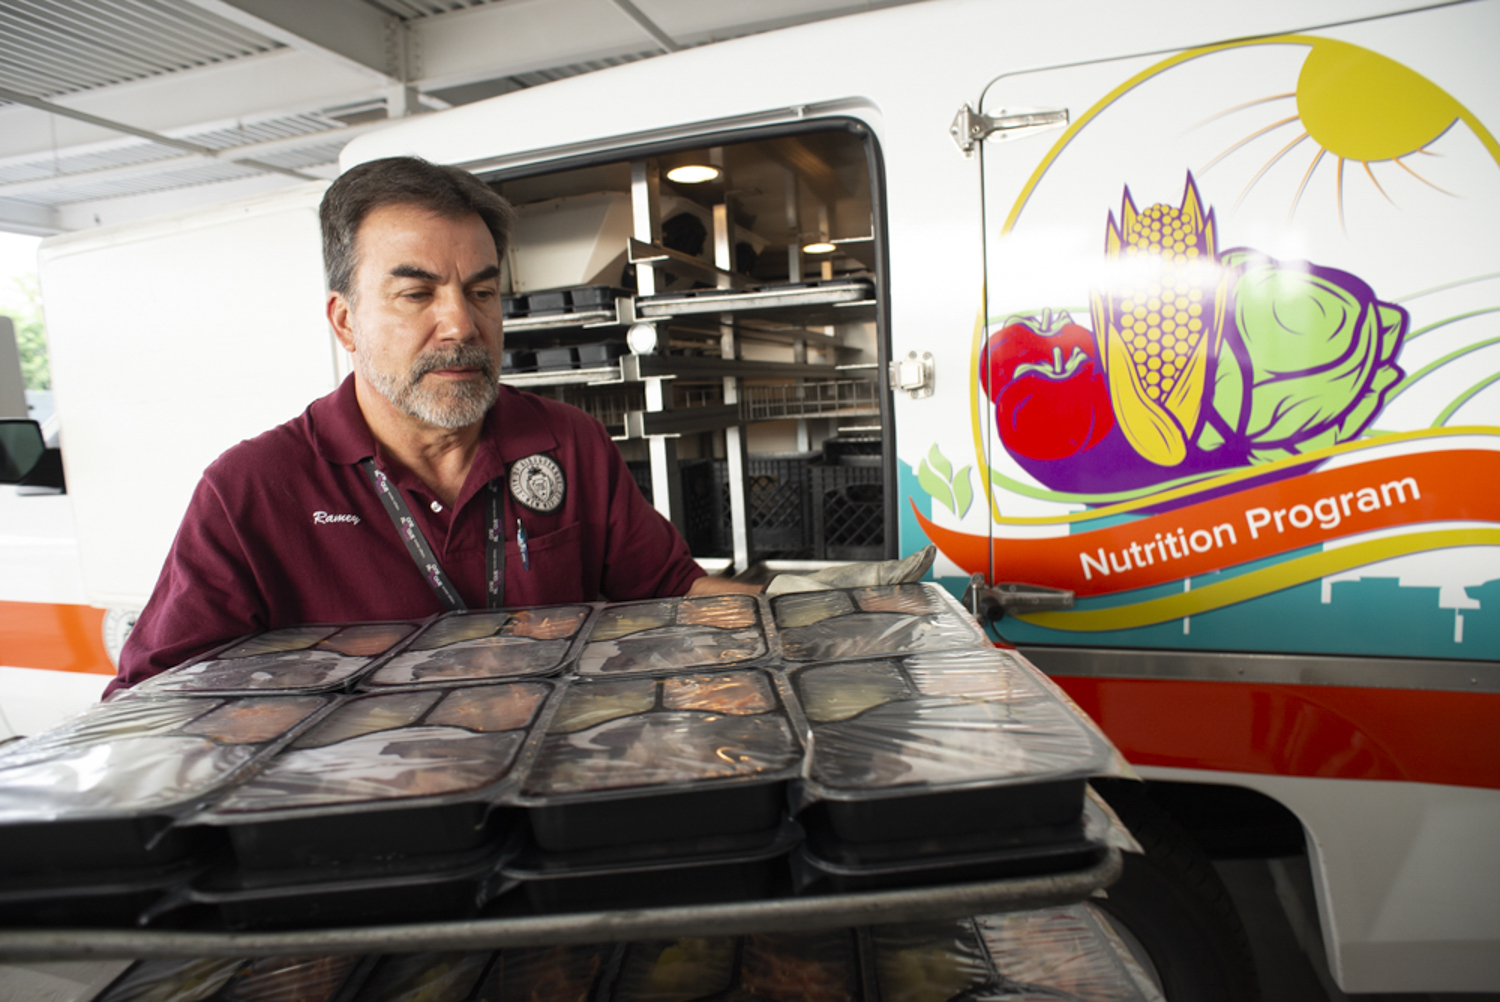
1226	822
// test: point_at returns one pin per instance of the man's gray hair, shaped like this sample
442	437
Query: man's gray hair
447	191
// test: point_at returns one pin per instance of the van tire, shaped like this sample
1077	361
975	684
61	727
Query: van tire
1172	903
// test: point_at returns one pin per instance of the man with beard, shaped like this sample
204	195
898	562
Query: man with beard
421	484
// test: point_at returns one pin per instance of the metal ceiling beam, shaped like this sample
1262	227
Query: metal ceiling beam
22	217
350	32
180	144
19	189
282	82
649	26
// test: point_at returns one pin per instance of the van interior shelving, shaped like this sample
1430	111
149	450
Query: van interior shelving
728	332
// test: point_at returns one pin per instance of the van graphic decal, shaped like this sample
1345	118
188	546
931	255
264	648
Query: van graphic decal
1238	365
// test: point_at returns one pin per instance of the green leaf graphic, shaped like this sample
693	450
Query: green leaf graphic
940	463
963	494
935	485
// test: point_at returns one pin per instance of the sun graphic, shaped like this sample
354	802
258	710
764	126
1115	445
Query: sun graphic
1357	107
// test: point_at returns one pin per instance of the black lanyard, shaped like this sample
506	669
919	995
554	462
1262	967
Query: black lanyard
422	553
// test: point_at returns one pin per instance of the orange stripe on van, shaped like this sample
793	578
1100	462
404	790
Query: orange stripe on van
1329	732
57	637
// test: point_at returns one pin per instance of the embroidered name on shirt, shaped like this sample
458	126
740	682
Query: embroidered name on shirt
324	518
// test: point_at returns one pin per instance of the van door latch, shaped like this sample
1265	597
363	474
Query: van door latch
914	374
970	127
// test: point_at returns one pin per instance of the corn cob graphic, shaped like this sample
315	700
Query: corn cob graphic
1160	326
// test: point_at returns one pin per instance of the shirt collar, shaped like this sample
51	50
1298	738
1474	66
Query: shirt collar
514	428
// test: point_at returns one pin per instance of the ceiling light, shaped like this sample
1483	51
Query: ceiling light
694	174
821	247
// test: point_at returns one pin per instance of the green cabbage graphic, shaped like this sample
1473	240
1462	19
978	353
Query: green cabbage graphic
1307	359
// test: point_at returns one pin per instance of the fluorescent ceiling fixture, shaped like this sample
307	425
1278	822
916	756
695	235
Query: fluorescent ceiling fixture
821	247
694	174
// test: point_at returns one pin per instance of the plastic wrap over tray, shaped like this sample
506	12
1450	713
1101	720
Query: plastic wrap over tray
666	733
815	966
141	756
296	659
171	980
423	977
1072	951
897	726
929	962
678	634
393	746
475	646
872	622
550	973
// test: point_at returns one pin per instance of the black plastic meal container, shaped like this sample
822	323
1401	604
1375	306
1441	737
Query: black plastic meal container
684	872
196	677
450	651
63	846
367	836
438	888
873	622
645	818
814	872
339	823
137	825
597	807
690	634
94	898
992	809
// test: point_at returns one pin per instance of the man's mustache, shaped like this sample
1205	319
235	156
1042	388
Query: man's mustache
459	356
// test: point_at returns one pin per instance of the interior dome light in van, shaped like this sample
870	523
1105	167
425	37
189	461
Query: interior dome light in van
694	174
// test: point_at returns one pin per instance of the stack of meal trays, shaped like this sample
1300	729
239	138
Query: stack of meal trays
933	757
1064	953
562	759
92	811
662	777
389	808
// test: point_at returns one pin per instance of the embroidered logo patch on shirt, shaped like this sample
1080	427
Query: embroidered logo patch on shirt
536	482
328	518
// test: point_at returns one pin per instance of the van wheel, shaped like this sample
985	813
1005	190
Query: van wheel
1171	907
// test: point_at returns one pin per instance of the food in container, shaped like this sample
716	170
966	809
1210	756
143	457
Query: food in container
389	746
423	977
818	966
736	693
171	980
680	970
870	622
469	646
674	635
731	732
1070	949
929	962
840	691
586	706
293	659
543	974
288	979
942	743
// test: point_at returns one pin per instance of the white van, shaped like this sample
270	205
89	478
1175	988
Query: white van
1190	310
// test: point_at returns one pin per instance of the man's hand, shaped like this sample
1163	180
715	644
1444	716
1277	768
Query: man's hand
710	584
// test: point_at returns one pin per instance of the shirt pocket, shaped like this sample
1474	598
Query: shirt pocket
556	573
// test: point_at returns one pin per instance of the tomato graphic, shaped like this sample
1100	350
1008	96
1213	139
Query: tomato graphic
1043	374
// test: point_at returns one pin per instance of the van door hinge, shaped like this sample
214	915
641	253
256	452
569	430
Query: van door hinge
914	374
970	127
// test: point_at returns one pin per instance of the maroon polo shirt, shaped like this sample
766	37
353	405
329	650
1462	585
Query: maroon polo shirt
286	529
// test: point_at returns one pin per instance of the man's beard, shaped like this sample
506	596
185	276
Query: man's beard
442	403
